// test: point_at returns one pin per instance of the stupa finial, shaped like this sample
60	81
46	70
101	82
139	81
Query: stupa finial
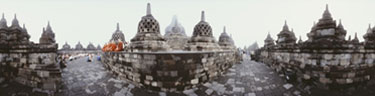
203	17
225	31
148	9
118	26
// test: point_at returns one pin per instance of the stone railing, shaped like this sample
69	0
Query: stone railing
168	71
326	68
31	64
79	51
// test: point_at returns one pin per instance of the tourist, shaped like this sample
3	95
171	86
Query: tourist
104	49
120	46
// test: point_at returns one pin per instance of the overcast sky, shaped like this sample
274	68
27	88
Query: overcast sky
247	20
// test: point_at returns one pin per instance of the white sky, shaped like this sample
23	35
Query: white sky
247	20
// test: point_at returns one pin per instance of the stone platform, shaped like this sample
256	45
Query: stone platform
168	71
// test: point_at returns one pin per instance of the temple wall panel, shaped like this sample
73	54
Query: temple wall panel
170	71
32	65
324	67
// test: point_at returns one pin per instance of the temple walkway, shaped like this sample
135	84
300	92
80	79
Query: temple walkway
246	79
82	78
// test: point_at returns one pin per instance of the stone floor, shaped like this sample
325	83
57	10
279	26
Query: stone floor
249	78
83	78
246	79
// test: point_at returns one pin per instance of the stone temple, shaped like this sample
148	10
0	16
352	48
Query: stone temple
326	60
148	38
199	64
202	38
175	35
25	62
173	62
90	48
118	35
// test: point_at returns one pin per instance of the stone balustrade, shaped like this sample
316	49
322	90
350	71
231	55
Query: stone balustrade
168	71
327	68
33	65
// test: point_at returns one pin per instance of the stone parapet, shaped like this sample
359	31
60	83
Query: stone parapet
79	51
327	68
33	65
168	71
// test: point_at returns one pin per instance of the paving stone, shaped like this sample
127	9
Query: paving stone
2	80
287	86
256	79
296	92
118	85
207	84
250	94
107	84
162	94
259	88
209	91
230	81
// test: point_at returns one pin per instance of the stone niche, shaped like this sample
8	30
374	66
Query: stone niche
168	71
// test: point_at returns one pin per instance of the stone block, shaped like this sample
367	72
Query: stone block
149	57
367	77
313	62
344	62
334	62
351	74
49	86
327	56
174	73
23	60
323	62
154	83
305	76
170	62
166	73
326	68
159	84
341	81
369	61
160	73
194	81
325	80
147	82
32	66
43	73
149	77
348	81
135	56
204	60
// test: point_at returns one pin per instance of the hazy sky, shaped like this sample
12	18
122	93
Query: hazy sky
247	20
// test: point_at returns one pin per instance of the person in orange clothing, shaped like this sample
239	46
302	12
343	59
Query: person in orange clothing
112	46
104	49
120	46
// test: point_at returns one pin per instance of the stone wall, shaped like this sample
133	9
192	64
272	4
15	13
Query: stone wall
79	51
31	64
168	71
177	42
326	68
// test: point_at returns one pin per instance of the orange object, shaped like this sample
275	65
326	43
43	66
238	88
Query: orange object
104	49
120	46
112	46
